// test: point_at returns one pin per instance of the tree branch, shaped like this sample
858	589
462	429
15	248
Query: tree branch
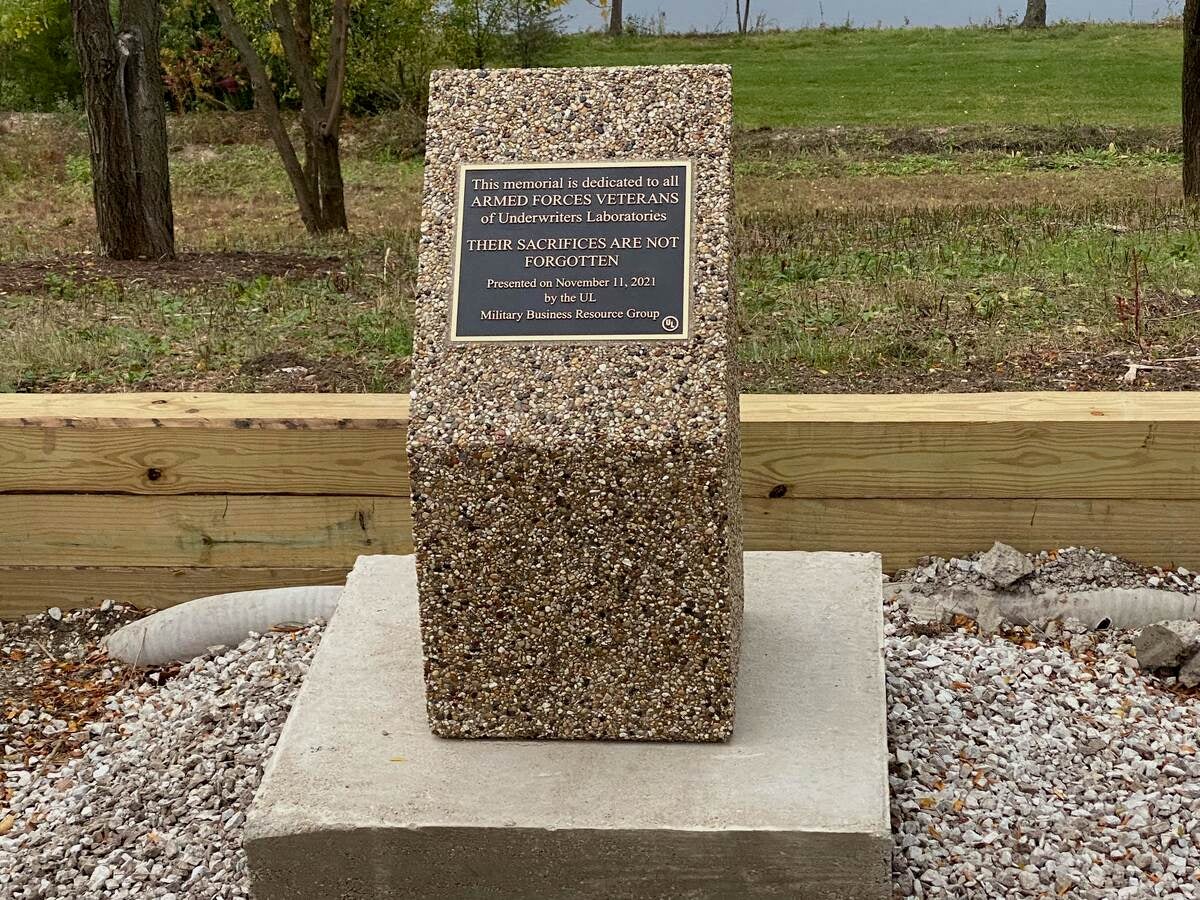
335	82
298	59
304	29
264	98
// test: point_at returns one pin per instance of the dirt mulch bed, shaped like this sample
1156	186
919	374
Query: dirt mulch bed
1032	371
279	372
289	372
54	681
186	270
766	142
285	371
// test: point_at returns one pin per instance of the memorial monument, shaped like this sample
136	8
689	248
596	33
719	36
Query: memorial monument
573	438
578	572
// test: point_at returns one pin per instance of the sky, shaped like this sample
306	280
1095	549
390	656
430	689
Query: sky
717	15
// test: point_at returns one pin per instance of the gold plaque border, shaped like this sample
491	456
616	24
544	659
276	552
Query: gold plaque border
464	168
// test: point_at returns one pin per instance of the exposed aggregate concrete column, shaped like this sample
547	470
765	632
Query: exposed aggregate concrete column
576	509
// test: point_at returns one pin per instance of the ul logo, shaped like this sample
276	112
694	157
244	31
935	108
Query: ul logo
670	323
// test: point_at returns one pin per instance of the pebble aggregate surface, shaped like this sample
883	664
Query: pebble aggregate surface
603	472
1038	768
1024	764
155	803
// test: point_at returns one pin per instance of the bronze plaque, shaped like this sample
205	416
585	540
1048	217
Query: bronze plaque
572	251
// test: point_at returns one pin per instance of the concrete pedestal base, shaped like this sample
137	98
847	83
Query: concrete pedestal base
361	801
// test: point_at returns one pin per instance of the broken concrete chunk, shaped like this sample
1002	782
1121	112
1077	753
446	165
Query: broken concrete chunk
933	610
1166	645
1005	565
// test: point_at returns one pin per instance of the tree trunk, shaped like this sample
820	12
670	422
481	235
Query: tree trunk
127	126
1191	99
616	17
742	14
332	191
1035	14
317	182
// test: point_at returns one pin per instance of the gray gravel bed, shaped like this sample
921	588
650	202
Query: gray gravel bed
1066	568
1039	769
156	804
1021	766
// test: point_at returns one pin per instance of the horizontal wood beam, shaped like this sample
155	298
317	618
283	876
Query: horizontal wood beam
1012	406
155	498
213	460
1149	531
851	446
323	411
351	444
1002	445
220	531
1152	532
187	410
972	459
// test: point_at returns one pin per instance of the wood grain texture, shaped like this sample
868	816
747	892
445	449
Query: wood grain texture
376	410
1154	532
1150	531
942	445
177	495
188	410
1015	406
1005	445
1101	459
199	531
25	590
211	460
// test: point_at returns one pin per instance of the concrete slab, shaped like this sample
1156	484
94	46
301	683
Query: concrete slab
360	800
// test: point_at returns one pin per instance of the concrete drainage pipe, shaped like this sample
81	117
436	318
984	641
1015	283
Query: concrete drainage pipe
1098	608
187	630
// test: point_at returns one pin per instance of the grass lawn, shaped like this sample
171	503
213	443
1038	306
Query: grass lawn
1005	253
1098	74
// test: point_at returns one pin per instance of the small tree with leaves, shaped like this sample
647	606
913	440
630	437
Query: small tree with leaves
534	30
317	181
519	32
415	41
474	31
37	59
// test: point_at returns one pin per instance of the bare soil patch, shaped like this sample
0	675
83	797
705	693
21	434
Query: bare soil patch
950	192
186	270
1057	370
290	372
766	142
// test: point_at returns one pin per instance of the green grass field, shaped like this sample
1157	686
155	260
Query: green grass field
907	222
1098	74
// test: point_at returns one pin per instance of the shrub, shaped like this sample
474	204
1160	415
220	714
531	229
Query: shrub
37	58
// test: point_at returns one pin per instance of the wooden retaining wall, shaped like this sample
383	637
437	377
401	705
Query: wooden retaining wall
157	498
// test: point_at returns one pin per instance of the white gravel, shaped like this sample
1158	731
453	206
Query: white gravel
1020	768
155	806
1067	568
1023	769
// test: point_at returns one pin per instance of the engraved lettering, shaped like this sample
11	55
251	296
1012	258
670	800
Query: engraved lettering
572	251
